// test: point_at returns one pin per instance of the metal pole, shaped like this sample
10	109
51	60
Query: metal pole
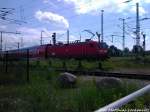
123	32
67	36
21	41
144	36
112	36
119	103
102	25
80	37
123	36
18	45
5	47
6	61
41	38
137	25
1	46
28	65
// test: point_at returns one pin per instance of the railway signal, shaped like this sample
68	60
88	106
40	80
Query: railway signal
144	36
54	38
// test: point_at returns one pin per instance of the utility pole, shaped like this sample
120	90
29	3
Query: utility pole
112	36
5	47
21	42
18	45
1	44
102	26
137	25
123	32
67	36
80	37
1	40
41	41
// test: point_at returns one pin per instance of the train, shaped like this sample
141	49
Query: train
79	50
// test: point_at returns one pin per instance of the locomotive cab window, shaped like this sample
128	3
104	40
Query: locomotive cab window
103	45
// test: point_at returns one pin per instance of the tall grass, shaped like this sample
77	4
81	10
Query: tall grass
43	93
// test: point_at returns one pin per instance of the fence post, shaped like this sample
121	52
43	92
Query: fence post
64	65
46	52
28	65
99	65
6	62
2	62
80	66
50	62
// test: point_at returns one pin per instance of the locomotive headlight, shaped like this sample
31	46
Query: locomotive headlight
102	51
53	54
105	51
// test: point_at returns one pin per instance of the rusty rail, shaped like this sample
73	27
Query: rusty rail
108	74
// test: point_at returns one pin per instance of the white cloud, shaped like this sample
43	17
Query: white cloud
50	3
2	27
52	17
147	1
45	1
31	37
117	6
141	10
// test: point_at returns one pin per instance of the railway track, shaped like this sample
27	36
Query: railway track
108	74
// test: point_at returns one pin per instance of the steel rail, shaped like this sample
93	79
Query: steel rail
119	103
108	74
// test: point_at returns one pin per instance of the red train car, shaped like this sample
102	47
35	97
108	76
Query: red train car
89	49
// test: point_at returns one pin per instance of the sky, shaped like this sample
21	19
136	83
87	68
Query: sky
76	15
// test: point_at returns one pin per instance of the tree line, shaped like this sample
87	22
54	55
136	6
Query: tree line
114	51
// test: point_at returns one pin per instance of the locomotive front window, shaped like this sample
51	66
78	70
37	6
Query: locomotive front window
103	45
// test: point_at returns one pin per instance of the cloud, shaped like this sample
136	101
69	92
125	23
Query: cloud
92	6
45	1
50	3
142	11
2	27
147	1
31	37
50	17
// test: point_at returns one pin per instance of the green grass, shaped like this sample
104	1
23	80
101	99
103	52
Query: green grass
127	63
43	94
114	63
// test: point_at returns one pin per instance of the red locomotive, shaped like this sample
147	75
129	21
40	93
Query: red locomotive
88	49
